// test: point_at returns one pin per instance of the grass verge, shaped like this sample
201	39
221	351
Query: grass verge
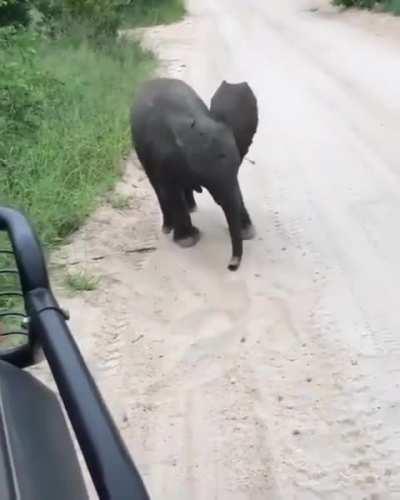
75	154
64	108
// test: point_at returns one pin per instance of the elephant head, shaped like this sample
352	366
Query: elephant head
236	105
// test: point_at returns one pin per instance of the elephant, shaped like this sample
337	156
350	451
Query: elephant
182	149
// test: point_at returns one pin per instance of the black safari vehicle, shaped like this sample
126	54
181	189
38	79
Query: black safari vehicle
37	456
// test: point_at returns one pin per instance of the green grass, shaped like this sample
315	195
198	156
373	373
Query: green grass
81	281
75	156
66	106
64	127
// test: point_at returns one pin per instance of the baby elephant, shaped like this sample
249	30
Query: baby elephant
184	148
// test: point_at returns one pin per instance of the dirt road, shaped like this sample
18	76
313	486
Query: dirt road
280	381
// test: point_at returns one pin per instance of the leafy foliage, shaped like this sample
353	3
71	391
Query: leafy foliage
14	12
25	88
390	5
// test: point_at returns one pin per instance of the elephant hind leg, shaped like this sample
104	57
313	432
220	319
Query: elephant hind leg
248	230
185	234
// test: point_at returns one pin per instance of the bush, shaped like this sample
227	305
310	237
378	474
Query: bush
390	5
99	19
14	12
393	6
25	88
150	12
363	4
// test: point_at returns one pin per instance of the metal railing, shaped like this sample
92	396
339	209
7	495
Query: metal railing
110	465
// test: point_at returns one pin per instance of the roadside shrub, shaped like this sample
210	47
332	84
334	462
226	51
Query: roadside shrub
49	8
98	19
151	12
14	12
363	4
394	6
389	5
27	93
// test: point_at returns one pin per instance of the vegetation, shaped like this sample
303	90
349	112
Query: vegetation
389	5
66	84
150	12
65	126
81	281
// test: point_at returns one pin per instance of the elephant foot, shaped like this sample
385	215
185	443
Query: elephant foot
167	229
248	232
190	240
234	263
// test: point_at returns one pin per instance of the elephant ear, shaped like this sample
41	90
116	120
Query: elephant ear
236	106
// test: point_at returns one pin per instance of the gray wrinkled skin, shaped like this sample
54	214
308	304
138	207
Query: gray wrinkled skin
183	148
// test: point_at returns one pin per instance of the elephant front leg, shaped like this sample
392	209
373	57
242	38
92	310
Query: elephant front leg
185	234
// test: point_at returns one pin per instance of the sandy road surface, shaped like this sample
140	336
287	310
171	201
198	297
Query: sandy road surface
281	381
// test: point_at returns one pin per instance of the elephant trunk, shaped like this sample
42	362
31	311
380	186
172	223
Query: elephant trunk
231	205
